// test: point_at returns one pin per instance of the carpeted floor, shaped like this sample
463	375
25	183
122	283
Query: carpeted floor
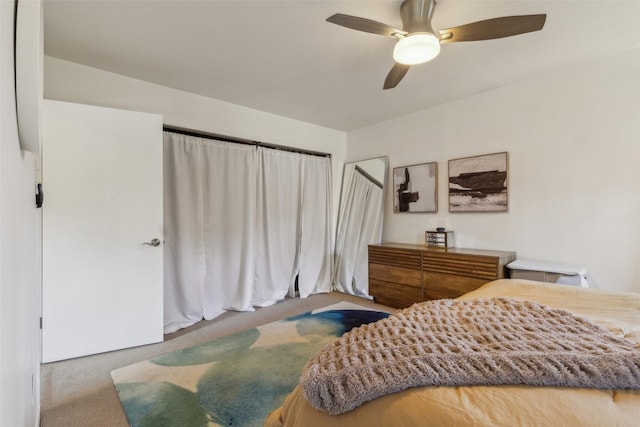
80	392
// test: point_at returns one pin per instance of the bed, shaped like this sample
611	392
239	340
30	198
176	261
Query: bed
482	405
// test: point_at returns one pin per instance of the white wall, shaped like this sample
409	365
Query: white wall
573	138
68	81
19	282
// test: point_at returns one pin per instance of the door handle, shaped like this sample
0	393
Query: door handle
154	243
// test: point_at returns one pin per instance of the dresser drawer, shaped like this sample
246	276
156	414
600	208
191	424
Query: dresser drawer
400	275
437	285
397	257
481	267
393	294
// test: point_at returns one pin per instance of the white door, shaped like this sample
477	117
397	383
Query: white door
102	179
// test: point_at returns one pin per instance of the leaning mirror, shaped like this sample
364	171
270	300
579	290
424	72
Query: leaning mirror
359	223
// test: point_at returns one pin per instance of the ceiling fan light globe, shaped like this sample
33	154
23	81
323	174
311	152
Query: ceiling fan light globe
416	49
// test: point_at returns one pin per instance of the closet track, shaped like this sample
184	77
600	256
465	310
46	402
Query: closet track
207	135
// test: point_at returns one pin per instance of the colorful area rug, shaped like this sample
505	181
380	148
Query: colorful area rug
236	380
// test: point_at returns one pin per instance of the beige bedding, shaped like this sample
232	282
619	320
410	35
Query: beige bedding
500	405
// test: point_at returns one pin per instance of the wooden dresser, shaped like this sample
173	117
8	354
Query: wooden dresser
402	274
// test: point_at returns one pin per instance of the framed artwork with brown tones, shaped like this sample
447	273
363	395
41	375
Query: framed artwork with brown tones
479	183
415	188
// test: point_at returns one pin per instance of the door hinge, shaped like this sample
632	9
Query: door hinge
40	322
39	195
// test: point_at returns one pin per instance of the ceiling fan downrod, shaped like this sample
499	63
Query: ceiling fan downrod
416	16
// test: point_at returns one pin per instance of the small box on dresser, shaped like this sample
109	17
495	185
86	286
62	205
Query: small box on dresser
439	239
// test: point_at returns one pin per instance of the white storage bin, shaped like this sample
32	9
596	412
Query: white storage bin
546	271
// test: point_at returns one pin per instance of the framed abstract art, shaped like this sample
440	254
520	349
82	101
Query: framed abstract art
479	183
415	188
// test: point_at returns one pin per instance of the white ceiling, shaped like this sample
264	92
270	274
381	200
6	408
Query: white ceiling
282	57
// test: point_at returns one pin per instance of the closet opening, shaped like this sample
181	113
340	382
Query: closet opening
246	224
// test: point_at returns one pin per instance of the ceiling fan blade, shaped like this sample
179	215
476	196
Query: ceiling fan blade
495	28
395	75
363	24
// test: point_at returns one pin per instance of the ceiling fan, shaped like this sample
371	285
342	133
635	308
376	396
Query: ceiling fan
418	42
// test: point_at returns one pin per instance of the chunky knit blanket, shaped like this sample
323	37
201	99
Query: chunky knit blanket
495	341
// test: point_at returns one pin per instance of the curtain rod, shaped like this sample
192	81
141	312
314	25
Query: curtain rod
208	135
368	176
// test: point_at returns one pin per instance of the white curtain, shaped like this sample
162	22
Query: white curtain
360	226
229	212
184	266
294	223
316	242
278	219
209	228
239	227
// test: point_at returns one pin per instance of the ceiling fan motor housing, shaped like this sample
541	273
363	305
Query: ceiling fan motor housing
416	16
